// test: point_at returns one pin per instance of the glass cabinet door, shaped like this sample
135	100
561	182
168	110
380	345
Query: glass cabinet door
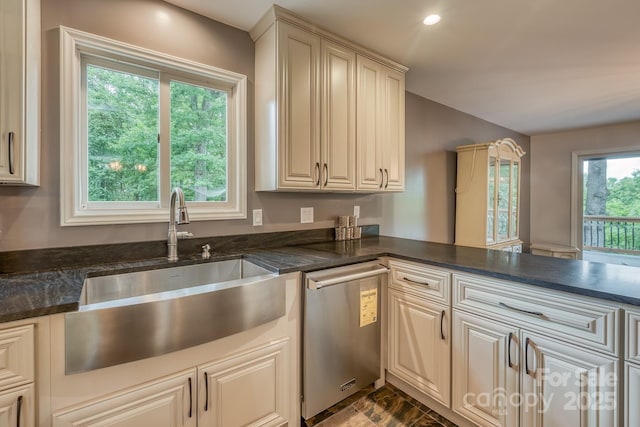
491	201
515	187
504	200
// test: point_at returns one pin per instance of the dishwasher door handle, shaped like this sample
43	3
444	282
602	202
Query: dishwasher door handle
313	284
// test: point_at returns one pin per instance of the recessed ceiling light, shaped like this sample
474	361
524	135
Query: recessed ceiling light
431	20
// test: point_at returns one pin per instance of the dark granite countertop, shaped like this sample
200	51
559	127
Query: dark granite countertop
42	293
611	282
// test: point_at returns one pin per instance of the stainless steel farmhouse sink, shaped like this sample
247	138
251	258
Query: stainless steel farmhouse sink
131	316
120	286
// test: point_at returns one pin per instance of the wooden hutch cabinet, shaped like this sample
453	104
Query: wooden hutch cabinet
488	195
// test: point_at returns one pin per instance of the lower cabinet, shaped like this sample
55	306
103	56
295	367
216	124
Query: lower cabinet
249	388
419	344
506	376
485	370
17	407
632	395
17	376
565	385
632	367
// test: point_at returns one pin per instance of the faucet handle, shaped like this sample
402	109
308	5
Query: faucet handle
184	235
205	251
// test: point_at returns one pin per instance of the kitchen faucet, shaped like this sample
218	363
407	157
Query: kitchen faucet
183	218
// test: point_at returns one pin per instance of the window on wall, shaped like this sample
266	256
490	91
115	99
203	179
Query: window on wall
136	124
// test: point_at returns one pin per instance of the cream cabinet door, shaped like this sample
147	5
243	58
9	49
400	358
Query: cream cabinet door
419	344
370	173
393	130
12	33
338	117
17	407
247	389
168	402
381	138
632	395
485	370
19	91
299	108
564	385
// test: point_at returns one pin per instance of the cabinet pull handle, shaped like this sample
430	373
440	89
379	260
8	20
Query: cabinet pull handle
206	392
190	399
441	325
19	410
326	175
386	172
530	313
381	178
317	174
11	168
531	372
415	281
509	350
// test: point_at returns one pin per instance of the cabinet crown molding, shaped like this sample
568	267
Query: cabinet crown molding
500	146
279	13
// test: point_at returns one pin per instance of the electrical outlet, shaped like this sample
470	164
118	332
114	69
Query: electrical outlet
306	215
257	217
356	211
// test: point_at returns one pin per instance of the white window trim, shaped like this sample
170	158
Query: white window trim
577	183
73	44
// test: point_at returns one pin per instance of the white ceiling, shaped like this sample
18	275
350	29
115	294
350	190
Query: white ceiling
533	66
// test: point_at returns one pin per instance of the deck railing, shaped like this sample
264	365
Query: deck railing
611	234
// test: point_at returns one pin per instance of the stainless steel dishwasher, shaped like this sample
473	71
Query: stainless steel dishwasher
341	333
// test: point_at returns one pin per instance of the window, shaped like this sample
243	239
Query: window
609	206
137	123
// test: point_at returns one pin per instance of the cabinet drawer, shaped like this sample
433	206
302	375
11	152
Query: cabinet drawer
585	321
633	336
16	356
424	281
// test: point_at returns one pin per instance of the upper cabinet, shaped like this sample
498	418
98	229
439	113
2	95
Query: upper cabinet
380	127
488	195
287	109
338	118
19	92
329	115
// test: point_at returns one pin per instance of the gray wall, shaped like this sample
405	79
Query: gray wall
29	217
426	210
551	174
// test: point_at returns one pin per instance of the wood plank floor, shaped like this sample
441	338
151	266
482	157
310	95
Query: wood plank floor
387	406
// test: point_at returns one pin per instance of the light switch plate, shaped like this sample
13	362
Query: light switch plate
306	215
257	217
356	211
